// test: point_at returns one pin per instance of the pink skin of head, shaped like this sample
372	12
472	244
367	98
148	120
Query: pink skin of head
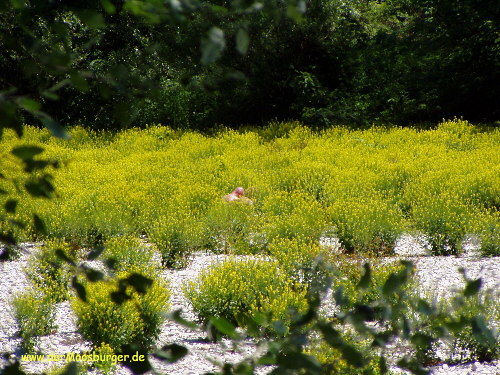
239	191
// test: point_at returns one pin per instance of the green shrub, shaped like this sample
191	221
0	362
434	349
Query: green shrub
463	342
366	225
244	287
49	273
445	221
333	363
35	314
137	319
292	215
348	274
297	257
129	252
229	227
174	236
489	234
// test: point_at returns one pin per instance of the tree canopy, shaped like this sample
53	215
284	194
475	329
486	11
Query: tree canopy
193	64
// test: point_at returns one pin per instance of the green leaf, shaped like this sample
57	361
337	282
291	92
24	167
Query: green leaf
119	297
93	275
456	325
8	238
33	165
393	284
364	282
17	223
171	353
29	105
62	255
481	331
80	289
382	364
18	4
363	313
9	117
472	287
71	369
224	326
92	19
139	282
331	335
13	369
176	317
55	128
39	225
79	82
137	359
339	297
245	320
26	152
244	368
423	307
39	187
108	6
10	206
50	95
295	10
352	356
412	365
422	340
297	361
95	252
242	41
212	46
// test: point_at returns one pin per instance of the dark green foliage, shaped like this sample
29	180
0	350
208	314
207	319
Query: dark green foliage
195	65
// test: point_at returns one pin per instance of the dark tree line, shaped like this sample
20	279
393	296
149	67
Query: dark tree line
193	64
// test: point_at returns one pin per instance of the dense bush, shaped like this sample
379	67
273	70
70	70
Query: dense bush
128	252
299	258
348	274
35	314
238	289
462	344
231	228
137	319
332	361
368	187
48	273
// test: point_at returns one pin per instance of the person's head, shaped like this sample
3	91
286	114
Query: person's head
239	191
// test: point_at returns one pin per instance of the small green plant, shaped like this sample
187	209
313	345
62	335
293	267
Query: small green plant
126	252
35	314
291	215
175	237
467	344
298	258
348	274
366	225
104	351
445	221
48	272
239	288
333	363
133	318
229	227
489	234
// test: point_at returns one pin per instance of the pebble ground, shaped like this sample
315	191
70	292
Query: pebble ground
435	274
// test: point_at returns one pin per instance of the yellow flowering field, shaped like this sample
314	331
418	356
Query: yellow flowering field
365	187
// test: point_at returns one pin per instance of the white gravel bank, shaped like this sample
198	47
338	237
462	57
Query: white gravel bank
435	274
